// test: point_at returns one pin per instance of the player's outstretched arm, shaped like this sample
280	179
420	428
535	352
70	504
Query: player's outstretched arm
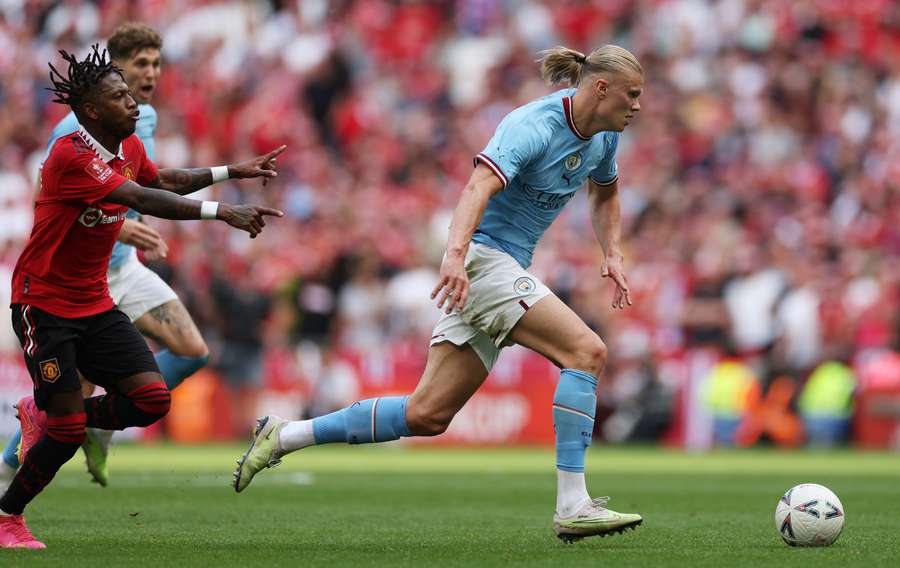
605	217
453	286
166	205
185	181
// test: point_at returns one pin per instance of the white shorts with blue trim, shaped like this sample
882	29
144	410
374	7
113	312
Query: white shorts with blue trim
500	292
136	289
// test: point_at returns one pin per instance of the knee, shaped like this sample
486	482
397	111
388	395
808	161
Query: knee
152	400
423	421
588	354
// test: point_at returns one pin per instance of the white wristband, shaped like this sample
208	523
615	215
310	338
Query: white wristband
208	209
219	173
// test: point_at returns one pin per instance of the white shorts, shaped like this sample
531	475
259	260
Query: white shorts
500	292
136	289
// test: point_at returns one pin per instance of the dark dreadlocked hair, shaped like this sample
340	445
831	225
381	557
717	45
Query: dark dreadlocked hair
83	76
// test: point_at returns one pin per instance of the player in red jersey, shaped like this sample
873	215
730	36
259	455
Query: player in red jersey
61	308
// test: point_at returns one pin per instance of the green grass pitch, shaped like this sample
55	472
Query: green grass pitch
400	506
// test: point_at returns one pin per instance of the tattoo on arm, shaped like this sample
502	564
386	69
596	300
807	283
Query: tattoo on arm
184	182
163	204
154	201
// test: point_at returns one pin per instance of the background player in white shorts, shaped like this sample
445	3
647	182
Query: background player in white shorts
540	155
137	291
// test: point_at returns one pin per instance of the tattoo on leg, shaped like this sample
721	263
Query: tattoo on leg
174	316
162	314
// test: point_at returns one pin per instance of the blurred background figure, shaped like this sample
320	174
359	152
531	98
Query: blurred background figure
241	310
826	404
761	205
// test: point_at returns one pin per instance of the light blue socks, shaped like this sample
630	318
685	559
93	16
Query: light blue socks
175	368
574	405
9	453
372	420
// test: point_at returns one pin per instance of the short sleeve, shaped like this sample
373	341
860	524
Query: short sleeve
515	144
607	171
85	178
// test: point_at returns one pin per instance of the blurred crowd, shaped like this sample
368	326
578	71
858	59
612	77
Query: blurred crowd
760	183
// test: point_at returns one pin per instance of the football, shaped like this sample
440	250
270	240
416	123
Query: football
809	515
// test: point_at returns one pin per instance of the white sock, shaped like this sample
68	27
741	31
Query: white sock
571	492
295	435
7	472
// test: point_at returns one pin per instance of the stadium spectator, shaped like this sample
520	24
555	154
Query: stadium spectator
770	133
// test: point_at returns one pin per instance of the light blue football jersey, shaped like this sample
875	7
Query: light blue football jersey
542	159
145	130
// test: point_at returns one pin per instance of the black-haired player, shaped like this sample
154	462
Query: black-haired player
62	312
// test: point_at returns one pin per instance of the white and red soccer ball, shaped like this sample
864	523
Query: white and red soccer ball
809	515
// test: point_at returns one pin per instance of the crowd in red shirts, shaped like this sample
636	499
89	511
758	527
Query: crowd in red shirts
760	184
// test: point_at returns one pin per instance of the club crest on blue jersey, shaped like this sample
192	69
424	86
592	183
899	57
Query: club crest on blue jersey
524	286
573	162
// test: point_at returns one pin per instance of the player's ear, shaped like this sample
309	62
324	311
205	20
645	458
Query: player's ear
89	109
600	87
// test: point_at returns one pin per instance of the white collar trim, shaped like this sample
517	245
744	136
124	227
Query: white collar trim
105	154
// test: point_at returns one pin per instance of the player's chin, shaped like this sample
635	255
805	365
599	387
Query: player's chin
143	96
128	129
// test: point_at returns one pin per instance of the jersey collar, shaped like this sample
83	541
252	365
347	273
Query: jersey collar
570	118
105	154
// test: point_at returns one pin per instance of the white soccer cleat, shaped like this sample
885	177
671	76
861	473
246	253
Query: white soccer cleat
264	451
593	519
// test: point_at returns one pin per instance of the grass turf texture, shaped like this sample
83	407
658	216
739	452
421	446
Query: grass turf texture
394	506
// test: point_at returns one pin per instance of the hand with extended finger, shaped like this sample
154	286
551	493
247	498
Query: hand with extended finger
248	218
261	166
613	267
453	287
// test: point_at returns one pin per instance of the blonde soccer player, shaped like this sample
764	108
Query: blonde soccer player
539	156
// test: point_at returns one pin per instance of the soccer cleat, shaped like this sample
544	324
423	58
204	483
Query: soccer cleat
14	533
34	424
96	450
593	519
264	451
